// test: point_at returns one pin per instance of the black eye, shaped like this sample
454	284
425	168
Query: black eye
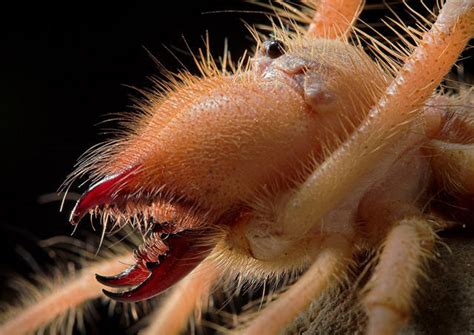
274	48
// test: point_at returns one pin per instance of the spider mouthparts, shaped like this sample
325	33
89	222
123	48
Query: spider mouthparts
152	278
104	192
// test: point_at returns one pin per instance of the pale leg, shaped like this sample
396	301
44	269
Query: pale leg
72	293
389	293
189	294
334	18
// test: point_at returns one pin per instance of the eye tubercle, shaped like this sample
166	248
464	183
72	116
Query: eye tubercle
317	93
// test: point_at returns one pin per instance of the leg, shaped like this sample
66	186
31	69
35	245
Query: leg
70	295
334	18
389	293
328	267
387	123
171	317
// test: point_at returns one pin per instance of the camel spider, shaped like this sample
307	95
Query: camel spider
294	161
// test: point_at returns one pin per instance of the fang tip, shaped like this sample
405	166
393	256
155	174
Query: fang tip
102	193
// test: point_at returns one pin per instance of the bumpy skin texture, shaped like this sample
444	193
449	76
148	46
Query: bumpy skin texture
210	142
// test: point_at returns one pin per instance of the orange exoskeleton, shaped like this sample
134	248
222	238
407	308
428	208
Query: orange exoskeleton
293	161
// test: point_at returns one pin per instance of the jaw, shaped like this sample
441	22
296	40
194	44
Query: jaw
160	263
177	235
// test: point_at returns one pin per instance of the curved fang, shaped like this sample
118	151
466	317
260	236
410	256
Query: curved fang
103	192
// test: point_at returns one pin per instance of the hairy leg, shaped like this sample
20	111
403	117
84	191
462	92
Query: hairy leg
389	292
386	123
71	294
334	18
328	267
172	315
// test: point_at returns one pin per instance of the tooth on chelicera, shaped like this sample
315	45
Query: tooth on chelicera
153	275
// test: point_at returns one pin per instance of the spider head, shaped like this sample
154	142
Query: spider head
197	158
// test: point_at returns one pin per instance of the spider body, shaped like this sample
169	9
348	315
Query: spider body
298	160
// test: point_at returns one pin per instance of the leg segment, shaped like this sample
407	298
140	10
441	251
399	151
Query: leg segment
386	124
171	317
328	267
334	18
389	293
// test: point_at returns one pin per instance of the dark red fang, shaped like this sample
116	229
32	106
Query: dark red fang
105	192
186	251
133	276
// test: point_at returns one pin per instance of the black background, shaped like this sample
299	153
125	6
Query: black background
62	71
